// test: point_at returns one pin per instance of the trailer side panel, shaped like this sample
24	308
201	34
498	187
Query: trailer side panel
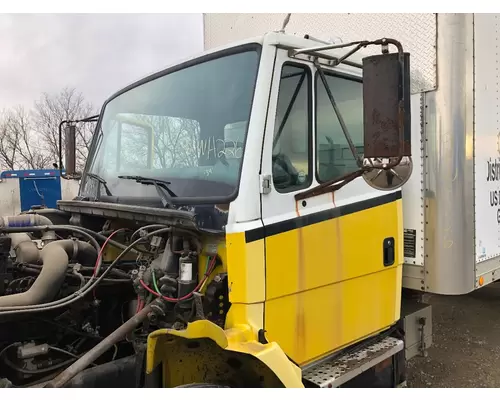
487	146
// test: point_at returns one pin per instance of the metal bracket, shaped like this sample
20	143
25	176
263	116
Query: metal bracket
312	54
198	303
265	184
423	350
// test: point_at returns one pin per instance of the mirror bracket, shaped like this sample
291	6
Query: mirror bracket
70	151
387	121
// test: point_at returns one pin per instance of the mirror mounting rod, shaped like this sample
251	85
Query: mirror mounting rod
377	129
359	162
384	42
71	151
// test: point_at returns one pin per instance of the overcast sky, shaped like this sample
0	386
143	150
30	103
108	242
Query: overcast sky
95	53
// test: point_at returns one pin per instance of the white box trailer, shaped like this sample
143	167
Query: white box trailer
452	201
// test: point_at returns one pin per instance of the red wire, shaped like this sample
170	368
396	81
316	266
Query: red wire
102	249
172	300
100	255
140	304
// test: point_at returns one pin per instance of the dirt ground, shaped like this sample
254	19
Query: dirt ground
466	342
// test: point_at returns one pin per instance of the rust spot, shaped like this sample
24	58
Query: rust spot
338	268
386	103
300	323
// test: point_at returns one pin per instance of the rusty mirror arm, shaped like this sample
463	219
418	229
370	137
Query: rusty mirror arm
386	114
70	141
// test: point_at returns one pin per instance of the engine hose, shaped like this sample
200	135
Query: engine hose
43	307
28	220
27	252
23	221
103	346
35	220
55	259
91	284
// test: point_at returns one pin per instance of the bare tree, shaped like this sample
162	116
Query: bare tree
51	109
9	144
23	147
176	141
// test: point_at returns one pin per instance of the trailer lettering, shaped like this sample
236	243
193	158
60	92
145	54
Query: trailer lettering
493	170
494	198
493	175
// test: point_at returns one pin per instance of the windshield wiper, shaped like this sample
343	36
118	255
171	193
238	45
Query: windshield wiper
101	181
161	187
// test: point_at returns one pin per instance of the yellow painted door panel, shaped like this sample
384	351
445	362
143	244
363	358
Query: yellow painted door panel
313	323
326	282
330	251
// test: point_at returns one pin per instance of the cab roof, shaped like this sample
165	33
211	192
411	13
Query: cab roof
278	39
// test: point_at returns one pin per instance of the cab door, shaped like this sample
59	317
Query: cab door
326	282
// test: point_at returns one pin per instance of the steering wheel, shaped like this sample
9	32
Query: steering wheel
284	173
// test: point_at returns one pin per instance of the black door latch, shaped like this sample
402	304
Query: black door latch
389	255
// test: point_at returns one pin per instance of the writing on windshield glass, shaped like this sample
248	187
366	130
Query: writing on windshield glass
220	148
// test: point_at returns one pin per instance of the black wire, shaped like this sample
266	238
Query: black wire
42	370
63	301
25	266
69	329
36	270
147	227
2	352
111	241
120	256
37	371
80	293
68	353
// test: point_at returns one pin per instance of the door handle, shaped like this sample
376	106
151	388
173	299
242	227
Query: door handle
389	251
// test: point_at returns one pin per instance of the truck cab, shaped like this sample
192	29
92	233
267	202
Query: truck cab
243	209
246	137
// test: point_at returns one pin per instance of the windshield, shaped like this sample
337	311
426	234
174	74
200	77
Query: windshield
187	127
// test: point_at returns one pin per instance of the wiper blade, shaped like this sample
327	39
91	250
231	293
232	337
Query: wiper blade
161	186
101	181
150	181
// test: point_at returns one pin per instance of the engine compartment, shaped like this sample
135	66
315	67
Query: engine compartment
81	292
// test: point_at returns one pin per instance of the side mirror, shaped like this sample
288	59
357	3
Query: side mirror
387	120
70	153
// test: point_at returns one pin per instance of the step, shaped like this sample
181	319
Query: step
335	371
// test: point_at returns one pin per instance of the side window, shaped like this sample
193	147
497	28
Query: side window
292	133
333	155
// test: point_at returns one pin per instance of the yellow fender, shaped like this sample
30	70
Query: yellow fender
183	363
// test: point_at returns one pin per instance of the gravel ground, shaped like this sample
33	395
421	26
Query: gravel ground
466	342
